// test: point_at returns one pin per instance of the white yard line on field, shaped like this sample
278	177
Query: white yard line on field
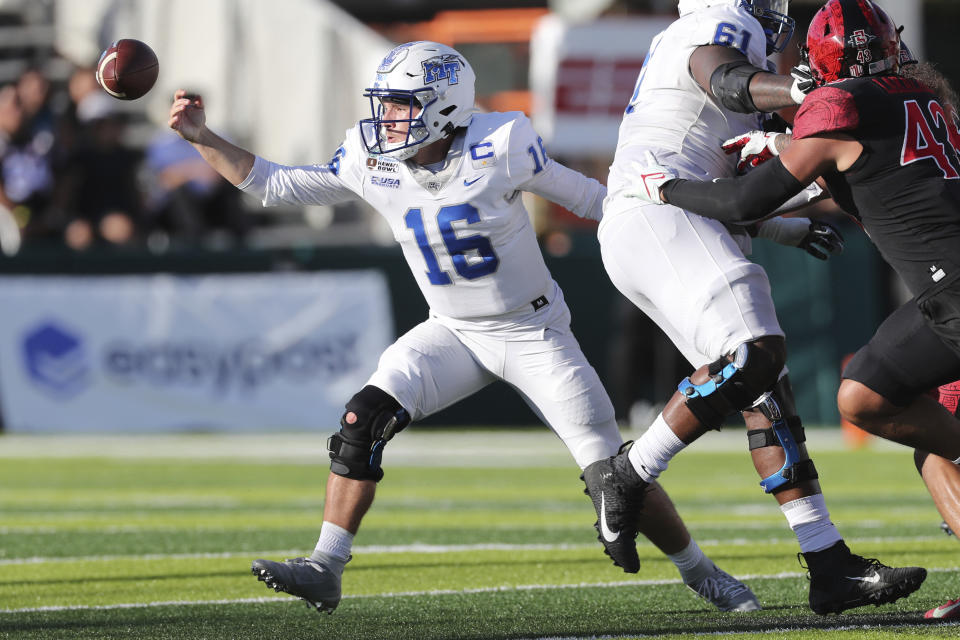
736	632
524	447
400	594
418	548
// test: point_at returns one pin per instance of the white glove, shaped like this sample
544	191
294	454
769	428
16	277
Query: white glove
652	176
803	82
819	239
755	147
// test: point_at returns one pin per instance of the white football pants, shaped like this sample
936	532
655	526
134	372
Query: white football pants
433	366
689	275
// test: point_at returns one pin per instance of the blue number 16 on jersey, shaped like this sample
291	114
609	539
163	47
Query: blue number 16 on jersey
457	248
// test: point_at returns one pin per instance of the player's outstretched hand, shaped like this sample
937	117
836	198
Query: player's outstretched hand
819	239
187	116
754	147
651	177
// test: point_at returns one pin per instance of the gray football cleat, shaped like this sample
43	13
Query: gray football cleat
617	493
304	578
725	592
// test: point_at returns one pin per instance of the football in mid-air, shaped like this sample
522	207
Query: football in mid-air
127	69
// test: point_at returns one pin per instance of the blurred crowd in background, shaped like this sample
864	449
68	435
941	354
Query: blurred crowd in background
80	170
69	175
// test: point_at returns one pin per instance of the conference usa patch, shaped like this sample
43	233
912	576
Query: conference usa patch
387	183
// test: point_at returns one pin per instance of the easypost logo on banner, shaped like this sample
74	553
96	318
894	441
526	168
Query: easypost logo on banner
166	353
230	368
55	359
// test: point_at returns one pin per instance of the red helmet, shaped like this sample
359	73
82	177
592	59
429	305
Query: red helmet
850	39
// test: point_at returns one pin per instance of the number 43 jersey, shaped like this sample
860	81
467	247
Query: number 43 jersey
464	230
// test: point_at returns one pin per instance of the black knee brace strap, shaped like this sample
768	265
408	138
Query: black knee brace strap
356	451
760	438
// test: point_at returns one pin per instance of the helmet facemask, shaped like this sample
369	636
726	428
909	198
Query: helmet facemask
777	26
374	129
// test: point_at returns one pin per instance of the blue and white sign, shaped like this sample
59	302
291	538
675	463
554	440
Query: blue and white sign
163	353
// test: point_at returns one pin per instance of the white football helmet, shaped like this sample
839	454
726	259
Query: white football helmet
430	76
771	14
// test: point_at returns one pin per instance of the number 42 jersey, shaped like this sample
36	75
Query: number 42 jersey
905	186
463	229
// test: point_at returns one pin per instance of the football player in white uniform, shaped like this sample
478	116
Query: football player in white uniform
703	82
448	179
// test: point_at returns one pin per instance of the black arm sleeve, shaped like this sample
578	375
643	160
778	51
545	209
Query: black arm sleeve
739	200
730	84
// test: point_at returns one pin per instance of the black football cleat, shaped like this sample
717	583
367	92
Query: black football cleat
304	578
841	580
617	492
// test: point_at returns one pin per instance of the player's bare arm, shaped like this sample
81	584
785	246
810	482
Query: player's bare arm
188	119
727	75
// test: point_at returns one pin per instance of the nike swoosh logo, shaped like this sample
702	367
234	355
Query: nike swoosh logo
944	610
467	183
872	579
608	535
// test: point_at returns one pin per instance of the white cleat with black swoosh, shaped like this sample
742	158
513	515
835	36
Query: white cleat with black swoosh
617	494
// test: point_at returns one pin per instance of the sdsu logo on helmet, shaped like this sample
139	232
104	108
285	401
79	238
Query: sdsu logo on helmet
851	39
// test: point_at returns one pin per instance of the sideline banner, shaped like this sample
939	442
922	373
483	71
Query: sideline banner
252	352
582	77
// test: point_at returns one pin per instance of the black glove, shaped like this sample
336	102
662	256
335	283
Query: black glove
822	240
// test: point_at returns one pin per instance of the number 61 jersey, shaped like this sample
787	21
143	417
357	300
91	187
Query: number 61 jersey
670	112
463	229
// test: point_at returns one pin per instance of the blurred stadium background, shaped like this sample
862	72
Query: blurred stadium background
141	293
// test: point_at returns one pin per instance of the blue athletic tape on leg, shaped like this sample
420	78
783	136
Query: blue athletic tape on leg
791	453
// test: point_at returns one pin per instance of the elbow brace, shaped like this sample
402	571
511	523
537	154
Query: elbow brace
740	200
730	84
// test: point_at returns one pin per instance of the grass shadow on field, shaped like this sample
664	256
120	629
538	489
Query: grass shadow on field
487	616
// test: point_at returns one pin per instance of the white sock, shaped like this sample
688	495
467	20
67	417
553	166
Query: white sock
652	452
692	564
333	547
810	521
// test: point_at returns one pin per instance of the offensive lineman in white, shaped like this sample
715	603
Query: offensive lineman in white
703	82
447	179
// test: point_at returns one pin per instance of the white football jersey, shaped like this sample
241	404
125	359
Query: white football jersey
670	113
464	230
